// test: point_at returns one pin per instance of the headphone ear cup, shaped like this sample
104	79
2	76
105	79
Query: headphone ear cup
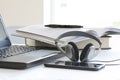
85	53
75	51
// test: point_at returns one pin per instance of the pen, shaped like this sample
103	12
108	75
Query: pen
63	26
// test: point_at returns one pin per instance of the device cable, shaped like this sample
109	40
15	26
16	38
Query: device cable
108	61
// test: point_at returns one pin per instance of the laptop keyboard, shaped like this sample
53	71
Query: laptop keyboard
15	50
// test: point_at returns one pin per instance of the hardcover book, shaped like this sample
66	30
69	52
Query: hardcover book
105	43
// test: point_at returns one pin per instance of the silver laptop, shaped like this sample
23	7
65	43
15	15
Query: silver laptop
22	57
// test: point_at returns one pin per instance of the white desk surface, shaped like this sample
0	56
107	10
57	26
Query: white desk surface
44	73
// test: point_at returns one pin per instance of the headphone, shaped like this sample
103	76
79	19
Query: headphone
71	50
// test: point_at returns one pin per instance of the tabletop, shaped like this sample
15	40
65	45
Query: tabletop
41	72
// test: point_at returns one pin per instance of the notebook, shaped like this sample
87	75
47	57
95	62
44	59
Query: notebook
22	57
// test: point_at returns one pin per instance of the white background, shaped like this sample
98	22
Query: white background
89	13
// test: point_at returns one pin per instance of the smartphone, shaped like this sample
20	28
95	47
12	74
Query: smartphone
75	65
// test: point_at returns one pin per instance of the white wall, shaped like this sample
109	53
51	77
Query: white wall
21	12
89	13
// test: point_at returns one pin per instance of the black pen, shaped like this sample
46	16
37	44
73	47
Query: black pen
63	26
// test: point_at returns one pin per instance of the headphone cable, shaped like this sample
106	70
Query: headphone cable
107	62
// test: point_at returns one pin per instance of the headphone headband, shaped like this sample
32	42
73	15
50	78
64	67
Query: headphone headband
78	33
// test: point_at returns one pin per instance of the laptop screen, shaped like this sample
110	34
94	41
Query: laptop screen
4	39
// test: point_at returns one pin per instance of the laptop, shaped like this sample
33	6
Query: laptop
22	57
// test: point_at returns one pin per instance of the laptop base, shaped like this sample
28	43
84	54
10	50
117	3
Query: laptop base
29	60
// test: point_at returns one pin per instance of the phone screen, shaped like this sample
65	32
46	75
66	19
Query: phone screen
75	65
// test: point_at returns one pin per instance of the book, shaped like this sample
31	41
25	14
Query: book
48	35
42	33
105	43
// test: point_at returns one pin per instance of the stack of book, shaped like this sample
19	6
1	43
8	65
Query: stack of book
40	35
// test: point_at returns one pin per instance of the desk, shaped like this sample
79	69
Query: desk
44	73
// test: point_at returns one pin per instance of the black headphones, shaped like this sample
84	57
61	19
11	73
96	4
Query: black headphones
71	50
